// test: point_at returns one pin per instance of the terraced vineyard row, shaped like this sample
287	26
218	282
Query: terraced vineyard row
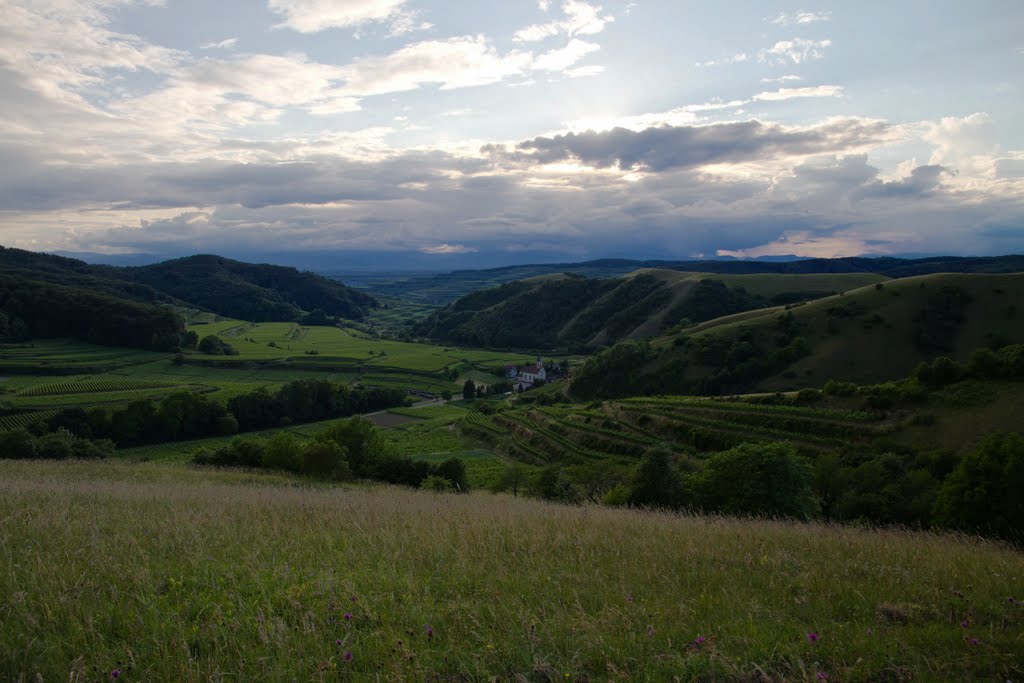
8	422
92	386
626	429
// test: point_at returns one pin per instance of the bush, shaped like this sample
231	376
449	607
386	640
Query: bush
283	453
453	471
985	493
834	388
657	483
758	479
436	484
325	460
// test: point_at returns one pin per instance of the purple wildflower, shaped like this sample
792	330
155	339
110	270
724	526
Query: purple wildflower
964	624
348	616
812	636
348	656
975	641
430	631
338	641
869	630
822	676
699	640
116	673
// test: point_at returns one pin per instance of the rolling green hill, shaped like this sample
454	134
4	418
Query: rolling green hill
872	334
570	311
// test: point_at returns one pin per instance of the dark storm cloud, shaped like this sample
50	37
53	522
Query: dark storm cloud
672	147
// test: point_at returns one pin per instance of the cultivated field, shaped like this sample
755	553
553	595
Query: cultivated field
161	572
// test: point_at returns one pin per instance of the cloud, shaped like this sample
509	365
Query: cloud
781	79
221	45
458	62
670	147
734	59
800	18
563	58
581	19
796	93
313	16
797	51
448	249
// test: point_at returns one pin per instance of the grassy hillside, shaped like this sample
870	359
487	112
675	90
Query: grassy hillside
572	312
902	322
167	573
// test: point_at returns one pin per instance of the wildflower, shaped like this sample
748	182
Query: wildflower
964	624
813	637
869	630
650	631
116	673
348	656
348	616
629	597
338	641
430	631
975	641
699	640
822	676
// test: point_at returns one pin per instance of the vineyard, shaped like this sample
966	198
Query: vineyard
626	429
19	420
88	386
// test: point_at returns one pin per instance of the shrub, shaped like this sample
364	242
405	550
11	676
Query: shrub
283	453
985	492
453	471
324	460
657	482
758	479
436	484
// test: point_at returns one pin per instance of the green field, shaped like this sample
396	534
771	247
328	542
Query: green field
167	573
50	374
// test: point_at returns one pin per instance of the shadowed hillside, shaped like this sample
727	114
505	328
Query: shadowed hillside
578	313
257	292
903	322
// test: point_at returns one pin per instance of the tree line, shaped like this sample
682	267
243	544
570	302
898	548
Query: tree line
348	449
184	416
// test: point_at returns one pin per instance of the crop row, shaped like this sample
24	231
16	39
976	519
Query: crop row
92	386
18	420
716	424
745	406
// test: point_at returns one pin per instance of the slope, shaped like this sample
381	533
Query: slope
258	292
902	322
578	313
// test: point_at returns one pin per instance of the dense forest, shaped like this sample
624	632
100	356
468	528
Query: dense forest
33	309
256	292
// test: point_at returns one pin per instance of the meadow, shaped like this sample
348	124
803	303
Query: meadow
160	572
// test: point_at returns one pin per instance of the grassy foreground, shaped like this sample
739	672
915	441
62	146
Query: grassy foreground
162	572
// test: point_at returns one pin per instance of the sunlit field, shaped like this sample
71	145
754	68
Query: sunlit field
164	572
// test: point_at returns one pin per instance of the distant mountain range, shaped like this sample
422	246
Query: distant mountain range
441	289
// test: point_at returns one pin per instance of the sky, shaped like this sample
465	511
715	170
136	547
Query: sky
390	132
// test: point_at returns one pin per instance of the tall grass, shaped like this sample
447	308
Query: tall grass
168	573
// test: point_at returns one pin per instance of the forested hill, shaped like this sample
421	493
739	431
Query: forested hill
903	322
568	311
256	292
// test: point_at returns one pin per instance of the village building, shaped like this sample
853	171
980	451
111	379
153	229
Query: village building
526	376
